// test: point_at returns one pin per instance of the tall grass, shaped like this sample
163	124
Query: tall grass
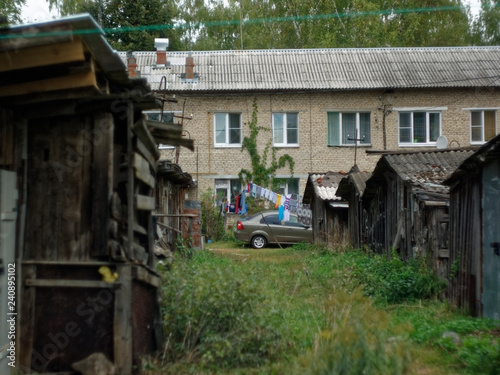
213	315
310	310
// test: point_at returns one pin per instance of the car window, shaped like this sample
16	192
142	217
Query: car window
293	224
271	219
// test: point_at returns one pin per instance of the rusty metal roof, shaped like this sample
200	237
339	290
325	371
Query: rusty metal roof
425	171
326	69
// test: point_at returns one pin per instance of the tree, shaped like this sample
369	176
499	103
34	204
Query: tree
254	24
129	24
10	11
486	28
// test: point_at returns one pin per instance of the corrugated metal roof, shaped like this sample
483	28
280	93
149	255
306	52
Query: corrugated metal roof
327	69
426	171
472	166
326	185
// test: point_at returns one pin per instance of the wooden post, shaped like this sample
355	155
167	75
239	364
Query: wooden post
27	319
122	323
130	182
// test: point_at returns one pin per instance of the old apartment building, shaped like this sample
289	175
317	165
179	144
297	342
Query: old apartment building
327	108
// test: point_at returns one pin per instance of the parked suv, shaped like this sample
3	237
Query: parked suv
266	228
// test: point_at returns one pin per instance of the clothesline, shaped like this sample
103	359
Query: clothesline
284	203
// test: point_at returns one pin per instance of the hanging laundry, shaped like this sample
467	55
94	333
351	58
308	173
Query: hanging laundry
281	212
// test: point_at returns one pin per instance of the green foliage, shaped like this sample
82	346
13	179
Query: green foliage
261	174
214	315
184	247
395	281
485	29
277	24
130	25
354	340
11	10
212	221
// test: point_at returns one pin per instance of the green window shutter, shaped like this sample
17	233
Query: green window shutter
333	129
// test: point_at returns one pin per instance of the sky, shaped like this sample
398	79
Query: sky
38	10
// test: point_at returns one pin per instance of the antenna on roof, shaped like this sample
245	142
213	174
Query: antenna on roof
441	142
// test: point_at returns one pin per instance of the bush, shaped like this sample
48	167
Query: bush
212	220
395	281
213	314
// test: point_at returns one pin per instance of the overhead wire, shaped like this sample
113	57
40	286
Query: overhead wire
190	25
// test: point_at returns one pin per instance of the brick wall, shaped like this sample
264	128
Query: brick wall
207	162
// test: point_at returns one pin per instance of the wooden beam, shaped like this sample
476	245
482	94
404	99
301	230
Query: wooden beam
73	81
142	170
146	153
142	132
143	202
176	215
102	178
130	181
37	56
93	263
166	139
122	322
174	128
144	275
26	324
59	283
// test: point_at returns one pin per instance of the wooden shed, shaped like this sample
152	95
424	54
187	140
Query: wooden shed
177	216
407	205
351	189
81	165
475	232
329	212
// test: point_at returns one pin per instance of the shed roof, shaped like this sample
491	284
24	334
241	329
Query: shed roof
326	69
357	179
424	171
472	166
323	186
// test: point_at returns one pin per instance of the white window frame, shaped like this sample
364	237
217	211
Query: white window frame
358	129
285	142
226	143
427	127
179	113
482	110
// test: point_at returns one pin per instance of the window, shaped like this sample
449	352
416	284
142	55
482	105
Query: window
287	186
482	126
419	127
271	220
345	127
168	117
228	129
285	129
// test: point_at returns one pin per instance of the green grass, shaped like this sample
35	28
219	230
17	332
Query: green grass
307	310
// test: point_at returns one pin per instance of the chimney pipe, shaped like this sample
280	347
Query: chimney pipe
132	65
189	66
161	45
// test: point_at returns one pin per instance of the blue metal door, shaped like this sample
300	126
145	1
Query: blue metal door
491	240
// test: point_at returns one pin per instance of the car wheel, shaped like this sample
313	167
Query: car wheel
258	242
